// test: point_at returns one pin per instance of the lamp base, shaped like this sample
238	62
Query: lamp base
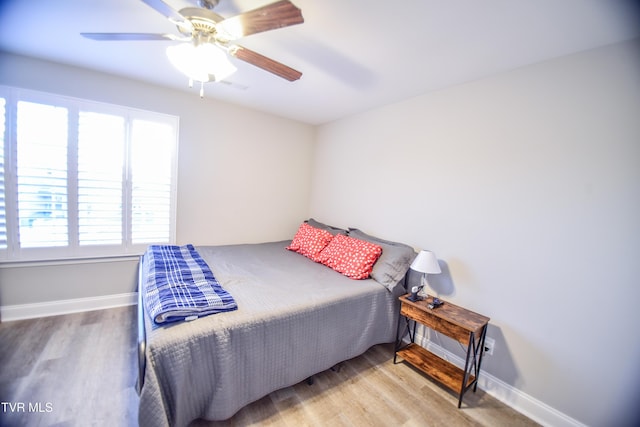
414	297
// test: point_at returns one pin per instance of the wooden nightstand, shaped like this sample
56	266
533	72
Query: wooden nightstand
464	326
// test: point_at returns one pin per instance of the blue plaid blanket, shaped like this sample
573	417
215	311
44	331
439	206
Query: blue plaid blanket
179	285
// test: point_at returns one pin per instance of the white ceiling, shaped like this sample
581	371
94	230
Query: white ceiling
354	54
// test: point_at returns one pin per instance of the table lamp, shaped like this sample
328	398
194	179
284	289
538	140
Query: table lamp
425	263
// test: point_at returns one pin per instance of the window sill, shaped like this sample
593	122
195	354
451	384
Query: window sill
68	261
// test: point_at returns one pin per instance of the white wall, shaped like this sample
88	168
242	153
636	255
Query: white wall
244	176
526	185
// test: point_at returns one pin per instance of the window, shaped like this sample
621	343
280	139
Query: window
82	179
101	145
42	175
151	181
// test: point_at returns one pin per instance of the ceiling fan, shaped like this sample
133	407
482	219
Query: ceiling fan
206	33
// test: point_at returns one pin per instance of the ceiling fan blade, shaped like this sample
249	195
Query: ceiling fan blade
163	8
270	17
265	63
171	14
129	36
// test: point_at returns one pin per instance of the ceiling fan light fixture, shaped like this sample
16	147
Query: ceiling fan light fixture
203	63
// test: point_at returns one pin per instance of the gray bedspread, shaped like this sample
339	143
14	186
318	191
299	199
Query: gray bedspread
295	318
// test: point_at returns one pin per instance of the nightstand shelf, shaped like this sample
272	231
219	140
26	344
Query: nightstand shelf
463	325
431	364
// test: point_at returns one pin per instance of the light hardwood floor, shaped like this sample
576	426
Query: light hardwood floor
80	370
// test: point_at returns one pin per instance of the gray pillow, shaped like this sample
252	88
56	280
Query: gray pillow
331	229
394	262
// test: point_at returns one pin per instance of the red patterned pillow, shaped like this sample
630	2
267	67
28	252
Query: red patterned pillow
350	256
309	241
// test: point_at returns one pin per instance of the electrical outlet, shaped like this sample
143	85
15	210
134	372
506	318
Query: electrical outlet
489	344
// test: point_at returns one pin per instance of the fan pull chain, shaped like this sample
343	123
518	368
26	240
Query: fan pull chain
201	87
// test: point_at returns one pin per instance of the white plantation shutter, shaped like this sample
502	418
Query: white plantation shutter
3	216
42	175
80	179
151	172
101	142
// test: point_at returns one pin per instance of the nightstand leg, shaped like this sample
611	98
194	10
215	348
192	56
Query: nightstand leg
467	368
399	336
412	335
482	337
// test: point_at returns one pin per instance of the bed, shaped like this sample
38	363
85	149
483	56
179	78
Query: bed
295	317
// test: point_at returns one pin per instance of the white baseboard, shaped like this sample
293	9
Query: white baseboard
533	408
55	308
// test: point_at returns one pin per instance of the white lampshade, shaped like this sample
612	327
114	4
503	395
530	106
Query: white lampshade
426	262
202	63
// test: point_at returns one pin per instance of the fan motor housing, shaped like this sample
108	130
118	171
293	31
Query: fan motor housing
203	22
